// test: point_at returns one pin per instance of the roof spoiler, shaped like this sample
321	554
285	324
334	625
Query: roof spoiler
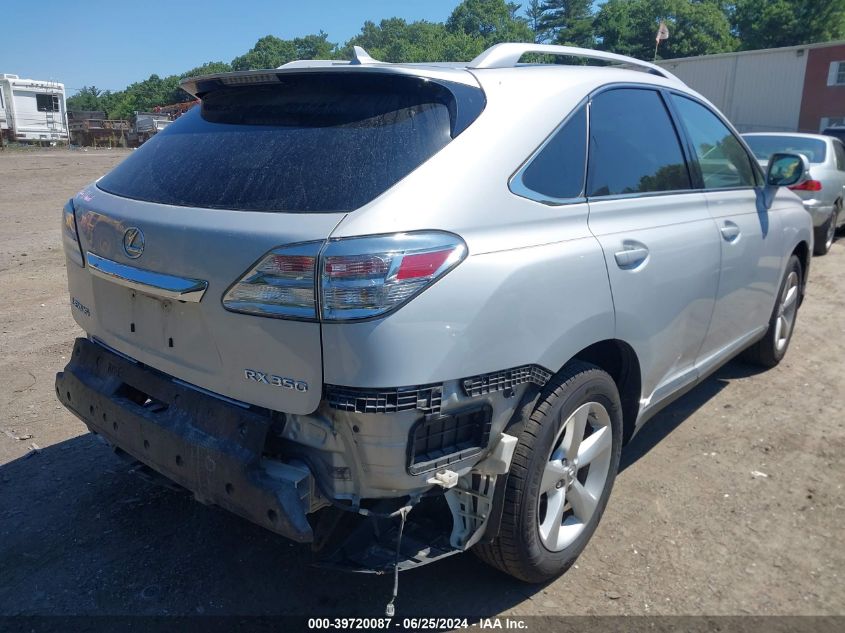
361	62
499	56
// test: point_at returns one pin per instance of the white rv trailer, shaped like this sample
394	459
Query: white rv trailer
32	110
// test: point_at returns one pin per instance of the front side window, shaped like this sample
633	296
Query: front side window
557	171
723	160
634	147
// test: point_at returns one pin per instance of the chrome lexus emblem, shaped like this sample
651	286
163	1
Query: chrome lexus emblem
133	242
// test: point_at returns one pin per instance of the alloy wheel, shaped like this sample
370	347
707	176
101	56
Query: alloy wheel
831	231
574	476
786	311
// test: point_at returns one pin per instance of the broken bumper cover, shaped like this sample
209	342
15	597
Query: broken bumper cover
208	445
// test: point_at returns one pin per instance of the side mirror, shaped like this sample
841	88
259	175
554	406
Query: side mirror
787	170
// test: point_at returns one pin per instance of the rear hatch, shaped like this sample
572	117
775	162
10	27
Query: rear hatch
262	164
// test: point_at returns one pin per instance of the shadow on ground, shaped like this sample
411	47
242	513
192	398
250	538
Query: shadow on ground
80	534
676	413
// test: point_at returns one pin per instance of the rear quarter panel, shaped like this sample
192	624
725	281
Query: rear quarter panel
534	287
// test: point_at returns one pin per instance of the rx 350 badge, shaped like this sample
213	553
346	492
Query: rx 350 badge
276	381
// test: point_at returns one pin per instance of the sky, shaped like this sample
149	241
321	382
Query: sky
111	44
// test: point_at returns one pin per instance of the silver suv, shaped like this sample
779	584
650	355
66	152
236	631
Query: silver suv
400	311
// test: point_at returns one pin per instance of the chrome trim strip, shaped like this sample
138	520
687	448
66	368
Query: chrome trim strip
101	343
147	281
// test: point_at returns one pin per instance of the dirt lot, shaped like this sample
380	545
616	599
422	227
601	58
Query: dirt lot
689	529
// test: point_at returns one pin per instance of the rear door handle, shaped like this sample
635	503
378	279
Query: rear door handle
631	257
730	231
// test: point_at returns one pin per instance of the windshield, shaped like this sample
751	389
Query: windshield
764	146
310	143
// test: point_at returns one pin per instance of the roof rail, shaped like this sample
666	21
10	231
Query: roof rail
508	55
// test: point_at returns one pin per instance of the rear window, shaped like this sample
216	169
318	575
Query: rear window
764	146
309	143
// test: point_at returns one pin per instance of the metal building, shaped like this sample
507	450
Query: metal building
795	88
32	110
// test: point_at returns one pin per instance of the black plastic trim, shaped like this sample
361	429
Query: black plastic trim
425	398
505	379
446	453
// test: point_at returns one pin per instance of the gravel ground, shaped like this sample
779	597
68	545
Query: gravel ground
730	502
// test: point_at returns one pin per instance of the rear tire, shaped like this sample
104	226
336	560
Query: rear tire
566	457
826	233
770	350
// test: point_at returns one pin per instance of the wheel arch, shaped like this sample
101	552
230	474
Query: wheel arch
618	359
803	253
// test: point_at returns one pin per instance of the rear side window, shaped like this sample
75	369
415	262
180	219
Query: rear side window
557	171
633	145
723	160
308	143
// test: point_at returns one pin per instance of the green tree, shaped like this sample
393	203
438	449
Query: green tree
534	16
492	21
568	22
395	40
154	91
208	68
773	23
268	52
315	46
121	105
87	98
696	27
272	52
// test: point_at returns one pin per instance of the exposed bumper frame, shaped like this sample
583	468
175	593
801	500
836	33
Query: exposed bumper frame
207	445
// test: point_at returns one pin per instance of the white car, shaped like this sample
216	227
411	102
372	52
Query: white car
823	192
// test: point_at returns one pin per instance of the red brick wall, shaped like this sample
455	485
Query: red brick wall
820	100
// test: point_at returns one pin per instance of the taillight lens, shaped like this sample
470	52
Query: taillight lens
808	185
280	285
357	278
369	276
70	236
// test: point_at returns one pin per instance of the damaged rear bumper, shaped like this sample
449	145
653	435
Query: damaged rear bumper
208	445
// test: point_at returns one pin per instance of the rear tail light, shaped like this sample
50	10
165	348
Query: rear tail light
280	285
809	185
70	236
369	276
357	278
